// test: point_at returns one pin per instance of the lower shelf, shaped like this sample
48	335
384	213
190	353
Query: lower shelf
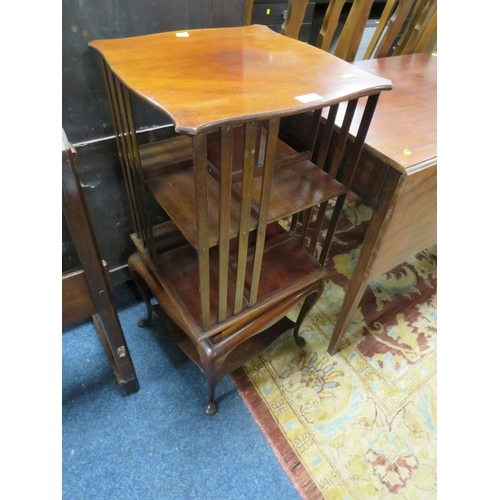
176	272
233	343
240	355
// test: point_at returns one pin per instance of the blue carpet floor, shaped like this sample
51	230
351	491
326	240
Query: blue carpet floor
156	443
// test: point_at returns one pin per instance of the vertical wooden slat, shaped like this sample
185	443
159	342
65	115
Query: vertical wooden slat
122	150
409	40
385	17
247	17
304	219
267	175
125	150
224	216
428	39
295	13
352	163
122	98
359	141
332	226
313	132
416	16
353	30
121	145
330	155
330	23
390	27
138	174
326	136
201	192
320	215
334	158
252	129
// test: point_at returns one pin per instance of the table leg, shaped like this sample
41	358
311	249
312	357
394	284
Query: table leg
99	285
389	192
111	335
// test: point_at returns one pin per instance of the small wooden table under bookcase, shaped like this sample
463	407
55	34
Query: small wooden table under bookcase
238	247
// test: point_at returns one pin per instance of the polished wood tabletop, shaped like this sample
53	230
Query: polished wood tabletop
403	132
205	77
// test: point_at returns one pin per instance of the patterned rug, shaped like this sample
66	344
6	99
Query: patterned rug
360	424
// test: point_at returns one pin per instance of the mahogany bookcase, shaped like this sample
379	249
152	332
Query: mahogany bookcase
239	247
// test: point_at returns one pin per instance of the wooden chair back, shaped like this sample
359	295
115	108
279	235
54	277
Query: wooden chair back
247	16
421	33
294	18
351	31
405	27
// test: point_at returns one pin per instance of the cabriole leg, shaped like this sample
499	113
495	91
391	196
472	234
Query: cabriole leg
309	302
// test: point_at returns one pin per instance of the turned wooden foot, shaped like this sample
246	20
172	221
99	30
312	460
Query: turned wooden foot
210	408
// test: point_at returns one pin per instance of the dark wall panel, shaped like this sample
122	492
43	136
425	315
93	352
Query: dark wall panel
86	118
85	108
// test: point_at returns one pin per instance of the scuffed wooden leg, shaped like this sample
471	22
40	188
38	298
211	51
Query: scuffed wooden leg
211	407
113	340
351	301
211	377
211	362
309	302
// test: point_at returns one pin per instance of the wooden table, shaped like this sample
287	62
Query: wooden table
224	270
398	173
